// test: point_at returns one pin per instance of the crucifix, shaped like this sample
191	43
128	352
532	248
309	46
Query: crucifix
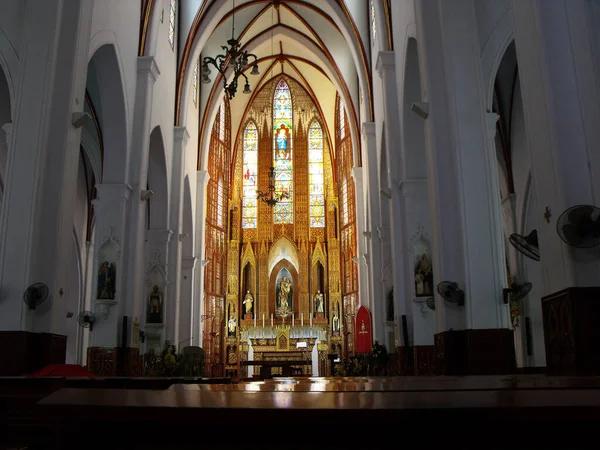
547	215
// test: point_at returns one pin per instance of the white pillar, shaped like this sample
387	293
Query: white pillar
180	139
376	293
199	231
134	258
363	280
38	204
386	67
555	53
110	209
461	167
186	309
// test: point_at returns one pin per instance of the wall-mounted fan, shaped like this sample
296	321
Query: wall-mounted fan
579	226
527	245
430	302
86	319
518	291
35	295
451	292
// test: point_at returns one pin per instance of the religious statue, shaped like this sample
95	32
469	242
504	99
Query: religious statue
231	324
248	302
335	323
106	281
319	308
282	138
283	299
423	277
363	328
155	304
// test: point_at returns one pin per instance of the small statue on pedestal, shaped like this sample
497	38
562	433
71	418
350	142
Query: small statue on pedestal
248	302
319	307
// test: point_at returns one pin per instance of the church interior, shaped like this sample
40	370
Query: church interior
216	205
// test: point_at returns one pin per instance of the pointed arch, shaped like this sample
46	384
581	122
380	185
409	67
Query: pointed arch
316	175
283	211
250	177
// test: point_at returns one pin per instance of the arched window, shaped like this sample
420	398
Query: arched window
283	211
315	173
250	176
172	15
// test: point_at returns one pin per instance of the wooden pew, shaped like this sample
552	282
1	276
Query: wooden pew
533	415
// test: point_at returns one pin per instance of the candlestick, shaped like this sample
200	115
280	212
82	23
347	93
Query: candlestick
263	320
311	320
292	319
302	319
254	320
271	319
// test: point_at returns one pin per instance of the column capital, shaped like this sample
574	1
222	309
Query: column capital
386	62
159	235
368	128
357	174
112	191
203	177
181	134
7	128
147	66
188	263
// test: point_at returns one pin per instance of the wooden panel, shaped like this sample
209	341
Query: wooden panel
22	352
572	331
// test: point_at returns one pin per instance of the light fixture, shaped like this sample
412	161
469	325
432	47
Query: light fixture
270	197
235	58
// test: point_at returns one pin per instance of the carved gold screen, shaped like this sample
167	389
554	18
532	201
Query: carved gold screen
347	206
216	232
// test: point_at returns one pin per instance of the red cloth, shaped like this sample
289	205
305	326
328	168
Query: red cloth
63	370
364	339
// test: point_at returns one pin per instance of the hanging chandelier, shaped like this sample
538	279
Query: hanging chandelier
270	197
234	58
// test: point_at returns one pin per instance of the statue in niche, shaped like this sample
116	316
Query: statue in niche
231	325
319	301
423	277
106	281
335	323
284	292
248	302
155	306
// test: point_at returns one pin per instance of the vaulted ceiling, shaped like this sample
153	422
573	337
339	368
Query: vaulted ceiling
323	44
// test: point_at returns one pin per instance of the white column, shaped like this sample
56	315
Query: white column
363	280
386	67
461	167
37	218
180	139
376	292
199	231
83	335
134	258
110	209
186	309
555	53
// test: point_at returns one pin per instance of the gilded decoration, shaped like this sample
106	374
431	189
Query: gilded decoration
318	212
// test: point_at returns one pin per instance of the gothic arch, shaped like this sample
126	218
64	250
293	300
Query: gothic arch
284	263
106	89
158	204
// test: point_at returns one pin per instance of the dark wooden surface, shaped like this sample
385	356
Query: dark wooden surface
23	352
470	412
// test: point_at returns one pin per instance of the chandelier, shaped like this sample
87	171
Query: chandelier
270	197
234	58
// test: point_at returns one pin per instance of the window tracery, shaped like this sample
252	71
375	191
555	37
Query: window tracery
250	176
283	211
316	175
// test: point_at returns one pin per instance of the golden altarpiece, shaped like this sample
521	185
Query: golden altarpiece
291	283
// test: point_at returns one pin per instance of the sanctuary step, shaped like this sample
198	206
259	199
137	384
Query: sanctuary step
470	412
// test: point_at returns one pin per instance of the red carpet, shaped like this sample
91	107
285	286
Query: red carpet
63	370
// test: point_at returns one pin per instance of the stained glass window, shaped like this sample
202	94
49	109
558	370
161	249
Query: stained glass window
222	120
250	176
172	15
373	22
283	211
342	123
195	85
315	171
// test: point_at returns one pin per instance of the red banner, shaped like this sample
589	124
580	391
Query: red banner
364	333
